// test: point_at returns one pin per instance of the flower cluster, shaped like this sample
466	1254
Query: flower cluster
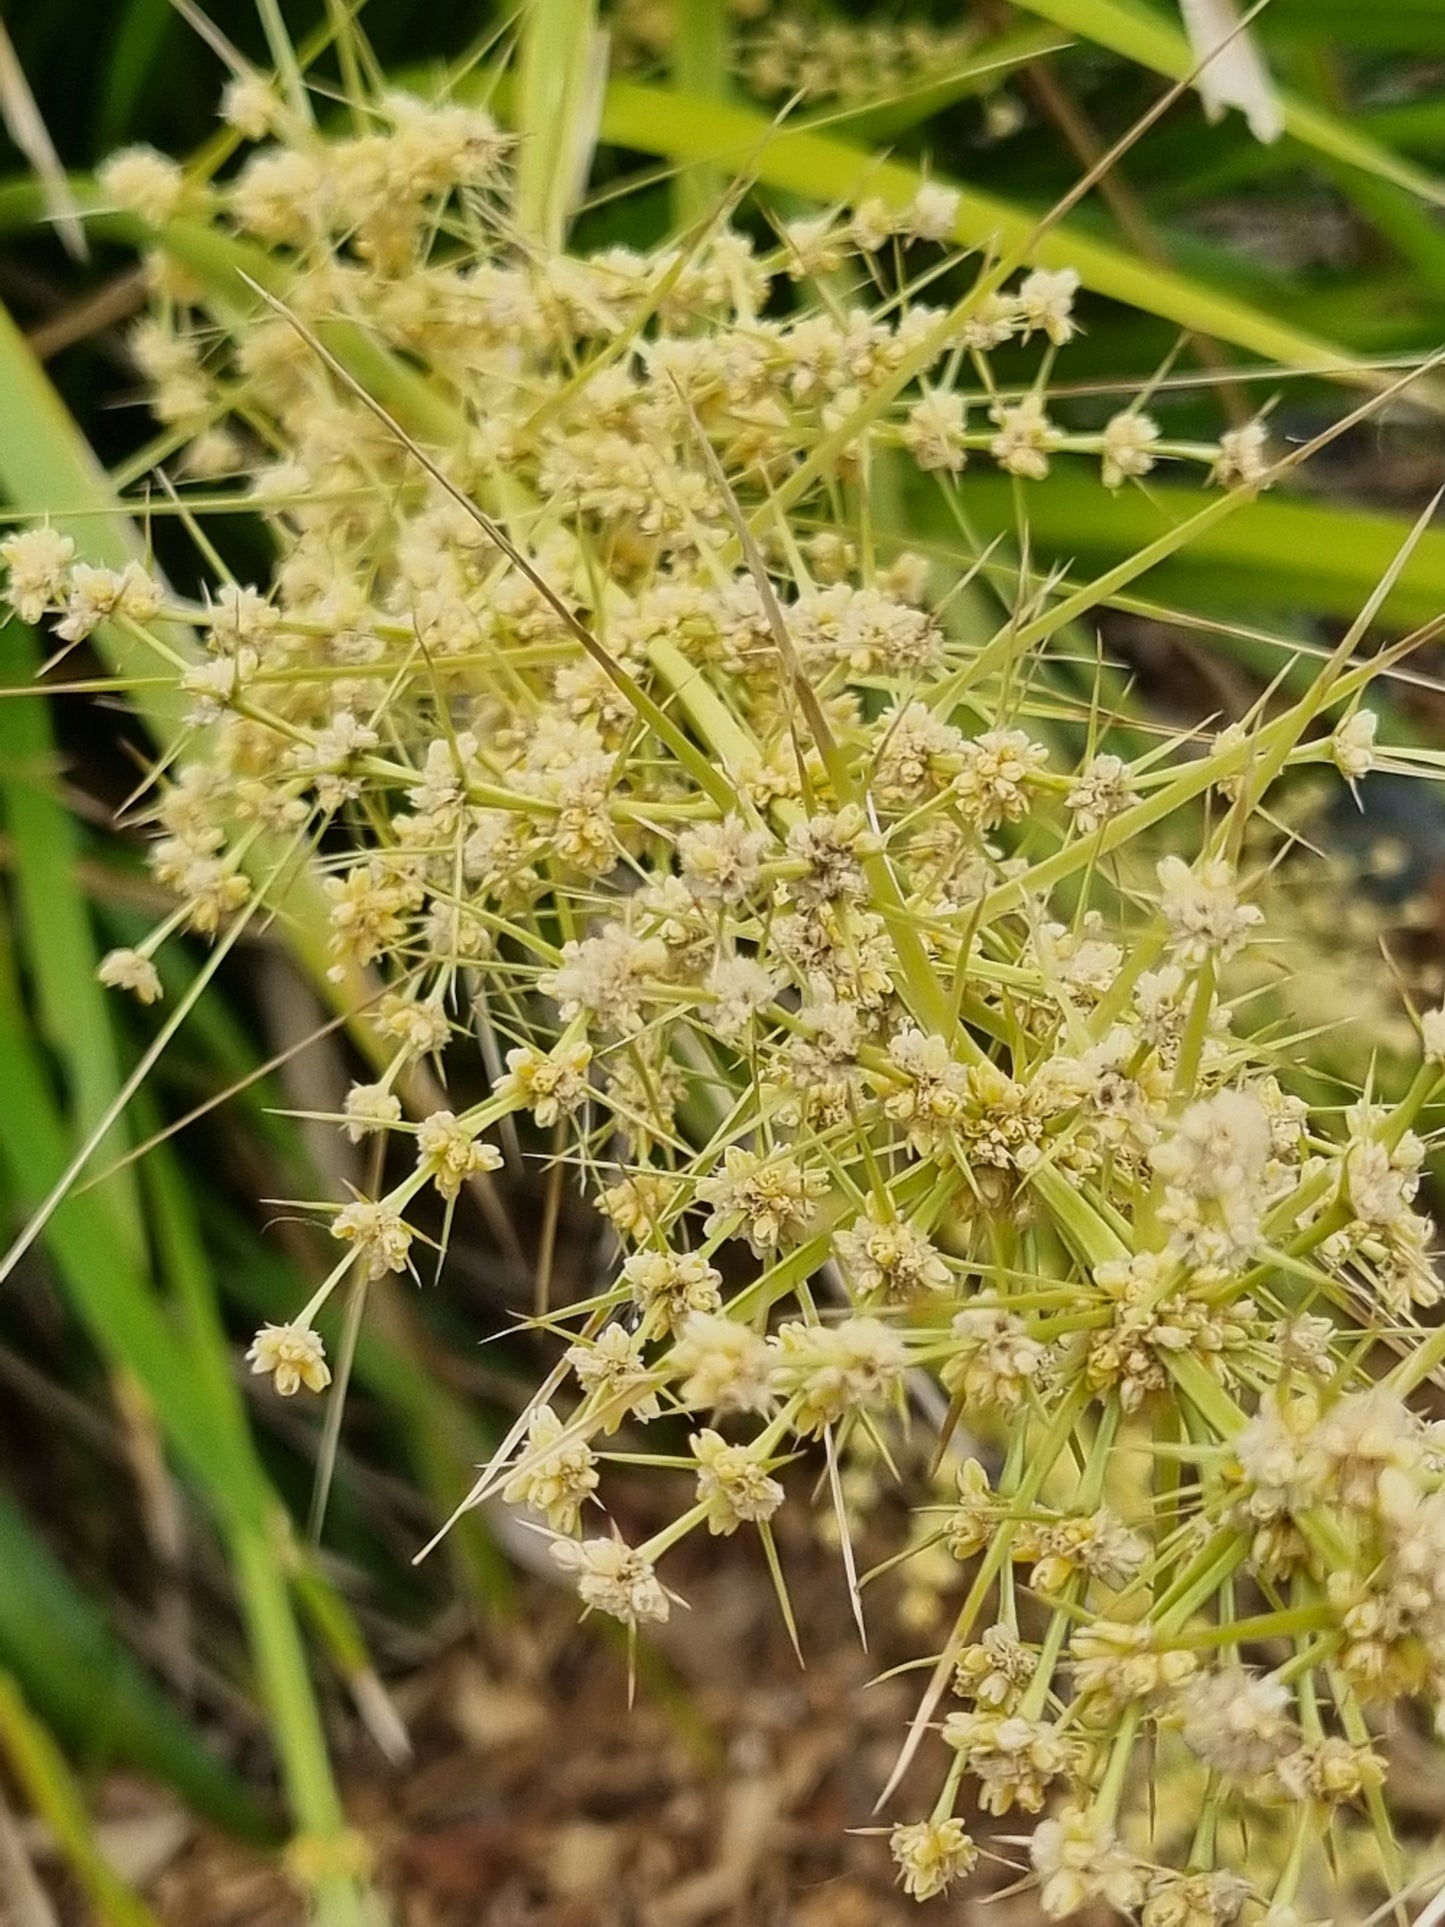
887	998
791	50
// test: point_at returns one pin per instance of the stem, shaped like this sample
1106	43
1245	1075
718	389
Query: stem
283	56
1288	1883
1191	1049
1206	1394
1280	1625
1032	1704
943	1805
661	1542
1111	1788
1422	1088
1204	1576
296	1724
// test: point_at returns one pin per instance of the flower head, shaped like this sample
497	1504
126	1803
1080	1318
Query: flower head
144	182
1202	911
293	1355
931	1855
129	970
613	1578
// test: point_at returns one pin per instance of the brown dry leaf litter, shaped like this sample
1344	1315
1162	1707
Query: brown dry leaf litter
728	1795
538	1799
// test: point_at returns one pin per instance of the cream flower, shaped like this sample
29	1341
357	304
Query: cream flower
293	1355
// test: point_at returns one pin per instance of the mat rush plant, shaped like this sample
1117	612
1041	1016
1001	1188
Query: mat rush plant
876	989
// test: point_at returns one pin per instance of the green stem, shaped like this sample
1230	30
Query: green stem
1287	1885
1111	1788
948	1793
1280	1625
1032	1705
1206	1394
1191	1049
1203	1577
295	1723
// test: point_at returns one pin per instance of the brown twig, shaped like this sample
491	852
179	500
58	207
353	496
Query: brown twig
114	300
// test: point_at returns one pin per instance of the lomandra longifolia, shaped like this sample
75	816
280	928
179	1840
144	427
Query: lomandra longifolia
873	966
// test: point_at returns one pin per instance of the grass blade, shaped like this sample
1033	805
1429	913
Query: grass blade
1272	552
83	1682
557	91
53	923
186	1375
37	1764
701	58
136	51
1154	43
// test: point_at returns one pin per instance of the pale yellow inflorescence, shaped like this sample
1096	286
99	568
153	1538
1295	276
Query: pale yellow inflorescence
880	991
